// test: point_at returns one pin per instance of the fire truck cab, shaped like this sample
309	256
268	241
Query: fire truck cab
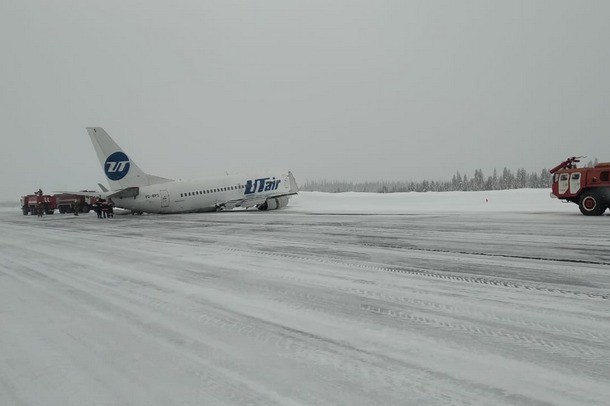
585	186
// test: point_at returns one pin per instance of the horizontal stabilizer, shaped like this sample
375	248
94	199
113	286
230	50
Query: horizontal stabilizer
127	192
86	194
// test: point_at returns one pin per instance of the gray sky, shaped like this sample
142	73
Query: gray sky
349	90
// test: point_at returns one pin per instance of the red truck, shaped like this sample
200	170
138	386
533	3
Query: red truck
29	203
588	187
65	203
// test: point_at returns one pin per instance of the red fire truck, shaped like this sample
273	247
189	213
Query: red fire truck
589	187
29	203
65	203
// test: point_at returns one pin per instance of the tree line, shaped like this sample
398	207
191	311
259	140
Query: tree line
459	182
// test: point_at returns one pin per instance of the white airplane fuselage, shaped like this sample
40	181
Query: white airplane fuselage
203	195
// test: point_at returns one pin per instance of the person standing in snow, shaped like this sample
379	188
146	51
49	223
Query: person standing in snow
98	209
110	208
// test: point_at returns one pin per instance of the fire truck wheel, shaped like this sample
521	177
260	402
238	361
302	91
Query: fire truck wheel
591	204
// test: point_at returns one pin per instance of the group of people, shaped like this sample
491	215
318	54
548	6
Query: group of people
104	209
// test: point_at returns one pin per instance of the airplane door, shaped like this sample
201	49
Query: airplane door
164	198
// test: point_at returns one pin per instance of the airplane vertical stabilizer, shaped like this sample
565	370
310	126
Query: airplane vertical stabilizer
119	169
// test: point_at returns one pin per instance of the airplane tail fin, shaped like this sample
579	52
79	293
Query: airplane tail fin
119	169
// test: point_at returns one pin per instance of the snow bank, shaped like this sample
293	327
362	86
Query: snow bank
520	200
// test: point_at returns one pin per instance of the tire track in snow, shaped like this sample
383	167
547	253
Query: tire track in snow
481	280
426	305
527	339
490	254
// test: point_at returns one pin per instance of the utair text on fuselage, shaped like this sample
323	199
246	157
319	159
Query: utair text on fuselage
261	185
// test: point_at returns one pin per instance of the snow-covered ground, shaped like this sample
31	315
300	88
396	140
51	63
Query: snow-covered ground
484	298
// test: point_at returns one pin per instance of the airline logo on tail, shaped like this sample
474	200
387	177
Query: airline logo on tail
116	166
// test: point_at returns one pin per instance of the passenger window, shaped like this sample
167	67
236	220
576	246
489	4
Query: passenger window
576	176
564	176
604	176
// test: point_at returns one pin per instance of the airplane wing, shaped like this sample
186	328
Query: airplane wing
126	192
86	193
243	203
253	201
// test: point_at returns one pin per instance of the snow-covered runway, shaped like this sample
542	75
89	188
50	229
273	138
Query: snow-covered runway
324	303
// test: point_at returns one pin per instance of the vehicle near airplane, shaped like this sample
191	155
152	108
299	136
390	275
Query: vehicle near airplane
135	190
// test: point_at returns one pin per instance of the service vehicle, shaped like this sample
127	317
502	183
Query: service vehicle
29	204
588	187
64	202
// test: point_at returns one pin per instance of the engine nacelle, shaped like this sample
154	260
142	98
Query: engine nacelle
274	203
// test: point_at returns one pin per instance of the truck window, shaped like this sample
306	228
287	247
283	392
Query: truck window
563	184
575	182
603	176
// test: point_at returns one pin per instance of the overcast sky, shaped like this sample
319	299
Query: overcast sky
342	90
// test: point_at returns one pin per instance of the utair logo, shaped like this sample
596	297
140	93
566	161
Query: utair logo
261	185
116	166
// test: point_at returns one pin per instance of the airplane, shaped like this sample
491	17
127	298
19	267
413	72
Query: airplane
139	192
